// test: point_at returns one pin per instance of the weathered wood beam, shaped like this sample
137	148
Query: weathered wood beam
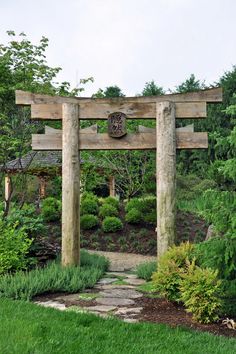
187	128
166	176
137	110
70	186
93	129
210	95
135	141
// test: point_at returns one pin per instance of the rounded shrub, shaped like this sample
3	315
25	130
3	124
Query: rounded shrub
107	210
51	209
112	201
88	195
171	266
134	203
112	224
89	206
88	221
134	216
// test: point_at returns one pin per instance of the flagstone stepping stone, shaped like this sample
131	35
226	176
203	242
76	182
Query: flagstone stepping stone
130	320
135	281
121	293
128	310
114	286
54	304
76	297
114	301
107	281
100	308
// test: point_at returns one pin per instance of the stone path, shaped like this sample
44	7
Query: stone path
113	295
124	261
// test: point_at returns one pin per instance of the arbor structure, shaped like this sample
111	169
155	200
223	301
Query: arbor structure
165	139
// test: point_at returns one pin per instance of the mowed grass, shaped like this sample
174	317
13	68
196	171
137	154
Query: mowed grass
30	329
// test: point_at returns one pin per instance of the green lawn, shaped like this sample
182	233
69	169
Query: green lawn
29	329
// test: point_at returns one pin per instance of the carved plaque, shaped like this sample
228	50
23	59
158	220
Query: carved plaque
117	124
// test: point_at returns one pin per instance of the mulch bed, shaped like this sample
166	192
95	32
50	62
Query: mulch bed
162	311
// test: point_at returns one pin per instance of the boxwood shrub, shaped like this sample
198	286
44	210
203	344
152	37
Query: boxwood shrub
51	209
88	221
107	210
134	216
89	206
112	224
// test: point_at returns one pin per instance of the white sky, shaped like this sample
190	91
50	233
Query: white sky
129	42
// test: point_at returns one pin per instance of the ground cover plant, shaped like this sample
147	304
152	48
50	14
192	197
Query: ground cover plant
67	332
53	278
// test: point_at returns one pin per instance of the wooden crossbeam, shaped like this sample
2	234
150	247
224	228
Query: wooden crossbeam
135	141
211	95
187	128
132	110
93	129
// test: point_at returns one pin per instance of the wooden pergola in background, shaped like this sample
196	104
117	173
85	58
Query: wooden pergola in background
165	139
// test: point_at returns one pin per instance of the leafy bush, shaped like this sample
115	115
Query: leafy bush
107	210
88	221
28	219
228	298
204	185
89	206
218	253
14	247
146	208
54	278
112	224
112	201
145	270
200	290
90	196
171	266
51	209
133	216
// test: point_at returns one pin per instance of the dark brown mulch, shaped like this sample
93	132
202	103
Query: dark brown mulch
162	311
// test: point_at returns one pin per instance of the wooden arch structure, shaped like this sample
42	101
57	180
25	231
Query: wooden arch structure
165	139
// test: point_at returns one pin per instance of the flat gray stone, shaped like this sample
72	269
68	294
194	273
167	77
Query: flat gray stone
135	281
54	304
128	310
100	308
121	293
115	301
106	281
114	286
130	320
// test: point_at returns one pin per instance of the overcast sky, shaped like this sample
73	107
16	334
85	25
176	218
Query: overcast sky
129	42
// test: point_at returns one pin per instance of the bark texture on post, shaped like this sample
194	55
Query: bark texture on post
166	176
8	191
70	186
112	192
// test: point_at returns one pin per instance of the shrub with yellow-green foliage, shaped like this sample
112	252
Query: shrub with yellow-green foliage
200	292
170	269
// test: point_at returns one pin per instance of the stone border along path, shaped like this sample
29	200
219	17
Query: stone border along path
113	295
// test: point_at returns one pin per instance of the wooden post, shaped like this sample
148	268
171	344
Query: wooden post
166	176
42	187
70	186
112	192
7	191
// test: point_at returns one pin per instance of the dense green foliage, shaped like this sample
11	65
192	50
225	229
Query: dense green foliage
51	209
54	278
145	270
14	246
141	209
89	206
88	221
200	292
107	210
112	224
171	266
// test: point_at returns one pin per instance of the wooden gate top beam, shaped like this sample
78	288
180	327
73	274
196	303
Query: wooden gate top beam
210	95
